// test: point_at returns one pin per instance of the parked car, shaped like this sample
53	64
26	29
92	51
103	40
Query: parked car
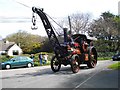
19	61
116	57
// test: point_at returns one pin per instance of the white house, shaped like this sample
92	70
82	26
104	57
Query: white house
9	48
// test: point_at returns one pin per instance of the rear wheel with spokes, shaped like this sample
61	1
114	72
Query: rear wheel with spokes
92	58
55	64
75	64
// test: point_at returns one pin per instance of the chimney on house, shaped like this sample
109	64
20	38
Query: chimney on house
6	41
19	44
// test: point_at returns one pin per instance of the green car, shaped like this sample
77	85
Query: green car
19	61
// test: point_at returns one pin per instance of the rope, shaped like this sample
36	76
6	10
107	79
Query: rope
56	31
54	21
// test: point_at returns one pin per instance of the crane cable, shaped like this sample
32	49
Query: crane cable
54	21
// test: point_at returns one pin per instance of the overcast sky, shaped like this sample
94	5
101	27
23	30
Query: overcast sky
15	16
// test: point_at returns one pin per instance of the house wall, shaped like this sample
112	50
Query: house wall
14	47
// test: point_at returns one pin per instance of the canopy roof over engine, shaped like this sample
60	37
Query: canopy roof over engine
80	37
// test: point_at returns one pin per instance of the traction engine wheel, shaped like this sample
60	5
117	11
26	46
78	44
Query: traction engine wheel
55	64
92	58
75	64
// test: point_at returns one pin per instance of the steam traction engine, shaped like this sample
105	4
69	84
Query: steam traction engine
81	51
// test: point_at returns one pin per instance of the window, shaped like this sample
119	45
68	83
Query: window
15	52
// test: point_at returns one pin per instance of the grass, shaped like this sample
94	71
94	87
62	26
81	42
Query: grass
115	66
37	63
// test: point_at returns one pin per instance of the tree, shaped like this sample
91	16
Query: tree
104	27
117	24
47	46
79	22
28	42
107	28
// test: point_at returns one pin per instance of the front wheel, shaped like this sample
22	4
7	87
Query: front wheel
75	64
29	65
55	64
8	66
92	58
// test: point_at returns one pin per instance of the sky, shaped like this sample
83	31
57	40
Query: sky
16	15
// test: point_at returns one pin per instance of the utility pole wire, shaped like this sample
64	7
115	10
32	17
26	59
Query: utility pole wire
21	4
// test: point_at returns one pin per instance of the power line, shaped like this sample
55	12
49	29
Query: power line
21	4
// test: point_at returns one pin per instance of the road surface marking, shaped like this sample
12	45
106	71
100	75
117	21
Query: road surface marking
86	80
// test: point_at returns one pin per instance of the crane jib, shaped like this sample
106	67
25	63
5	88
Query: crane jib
49	30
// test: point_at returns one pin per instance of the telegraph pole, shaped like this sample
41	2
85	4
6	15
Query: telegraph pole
70	25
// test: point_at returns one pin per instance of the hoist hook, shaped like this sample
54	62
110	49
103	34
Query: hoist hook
34	27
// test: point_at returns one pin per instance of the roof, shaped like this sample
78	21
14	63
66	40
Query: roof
5	45
91	38
76	36
83	36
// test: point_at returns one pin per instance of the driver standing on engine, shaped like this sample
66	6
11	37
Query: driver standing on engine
70	40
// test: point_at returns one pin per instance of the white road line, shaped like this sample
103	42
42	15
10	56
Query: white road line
86	80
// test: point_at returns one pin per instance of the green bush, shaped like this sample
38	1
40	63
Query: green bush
36	64
104	58
105	54
4	58
36	58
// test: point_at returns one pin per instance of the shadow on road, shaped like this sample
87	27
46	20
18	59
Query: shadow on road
46	71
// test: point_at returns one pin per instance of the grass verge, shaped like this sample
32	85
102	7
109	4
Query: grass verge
115	66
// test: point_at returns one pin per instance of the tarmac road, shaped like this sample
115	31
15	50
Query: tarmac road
44	77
